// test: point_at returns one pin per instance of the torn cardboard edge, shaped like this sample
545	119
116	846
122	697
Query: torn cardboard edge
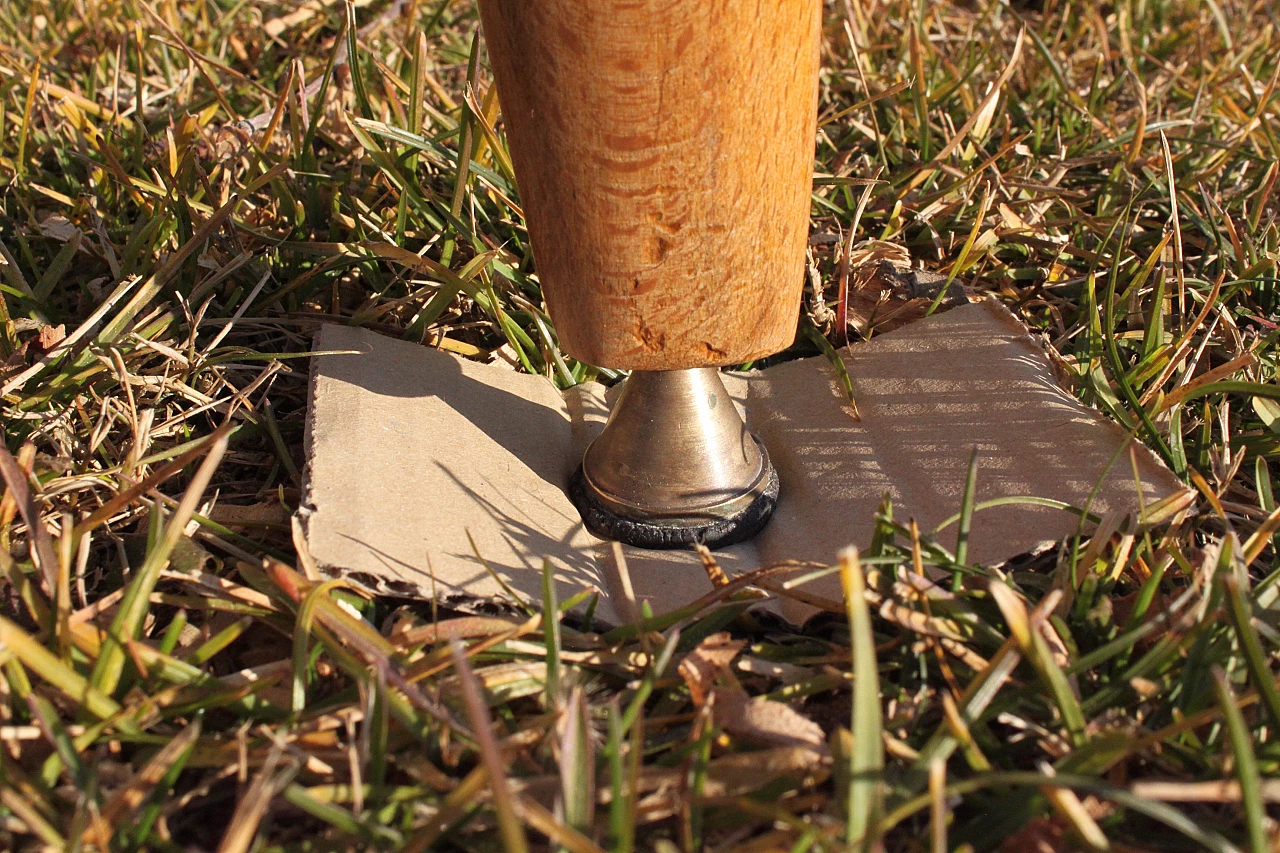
436	477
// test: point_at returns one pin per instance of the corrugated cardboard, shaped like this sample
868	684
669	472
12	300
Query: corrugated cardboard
430	475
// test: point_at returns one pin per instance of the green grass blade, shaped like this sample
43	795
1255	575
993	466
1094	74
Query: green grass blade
1246	764
866	762
1260	671
127	624
965	520
551	634
509	824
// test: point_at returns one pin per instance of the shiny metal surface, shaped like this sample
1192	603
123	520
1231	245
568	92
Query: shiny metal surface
675	451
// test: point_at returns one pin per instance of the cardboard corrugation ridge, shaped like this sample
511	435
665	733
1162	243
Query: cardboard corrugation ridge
929	394
1038	347
306	508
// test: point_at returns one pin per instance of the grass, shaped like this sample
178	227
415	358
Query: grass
190	188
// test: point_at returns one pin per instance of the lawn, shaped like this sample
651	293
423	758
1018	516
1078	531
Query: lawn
188	189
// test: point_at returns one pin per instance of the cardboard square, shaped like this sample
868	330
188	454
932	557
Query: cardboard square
429	475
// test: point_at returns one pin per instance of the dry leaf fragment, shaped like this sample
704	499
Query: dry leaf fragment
259	514
760	720
58	227
50	336
765	721
886	292
701	666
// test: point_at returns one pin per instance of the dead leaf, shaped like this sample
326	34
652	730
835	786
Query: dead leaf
764	721
886	292
759	720
18	359
50	336
701	666
58	227
260	514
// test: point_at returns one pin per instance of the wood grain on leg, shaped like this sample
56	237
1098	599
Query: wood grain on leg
664	151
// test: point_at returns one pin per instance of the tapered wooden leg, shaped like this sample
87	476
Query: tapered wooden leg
664	154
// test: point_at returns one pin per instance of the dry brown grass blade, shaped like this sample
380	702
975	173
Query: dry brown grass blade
1214	791
368	643
732	775
15	478
69	343
31	819
504	804
276	773
557	833
986	109
132	793
129	620
458	802
1222	371
440	660
45	664
462	627
173	263
712	567
129	495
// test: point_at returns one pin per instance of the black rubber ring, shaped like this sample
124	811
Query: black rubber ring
719	533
